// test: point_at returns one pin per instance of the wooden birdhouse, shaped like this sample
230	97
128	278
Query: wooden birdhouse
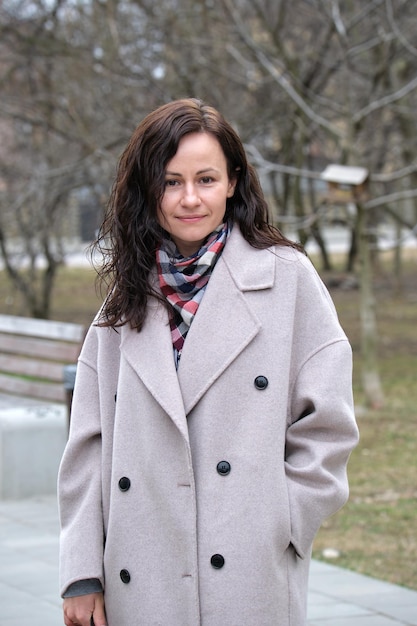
346	184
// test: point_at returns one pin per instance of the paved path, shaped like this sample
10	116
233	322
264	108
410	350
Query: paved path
29	594
29	578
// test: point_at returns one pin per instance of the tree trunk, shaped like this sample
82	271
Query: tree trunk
398	282
325	258
369	338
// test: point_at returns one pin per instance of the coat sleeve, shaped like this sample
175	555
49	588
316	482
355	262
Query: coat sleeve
80	480
322	429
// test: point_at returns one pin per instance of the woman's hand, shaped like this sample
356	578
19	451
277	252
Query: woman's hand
85	610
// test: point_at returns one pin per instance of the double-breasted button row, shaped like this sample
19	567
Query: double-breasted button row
217	561
223	468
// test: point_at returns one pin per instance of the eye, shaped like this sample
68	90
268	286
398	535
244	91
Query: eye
170	182
206	180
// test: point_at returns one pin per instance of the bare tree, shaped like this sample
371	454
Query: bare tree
345	75
62	74
306	83
76	78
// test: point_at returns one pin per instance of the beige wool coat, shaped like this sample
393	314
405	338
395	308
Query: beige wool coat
194	496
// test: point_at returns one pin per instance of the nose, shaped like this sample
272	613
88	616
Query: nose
190	197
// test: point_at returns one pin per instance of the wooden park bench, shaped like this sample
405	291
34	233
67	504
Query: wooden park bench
34	357
33	354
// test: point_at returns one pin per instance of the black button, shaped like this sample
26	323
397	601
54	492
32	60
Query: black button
125	576
223	468
217	561
261	382
115	397
124	483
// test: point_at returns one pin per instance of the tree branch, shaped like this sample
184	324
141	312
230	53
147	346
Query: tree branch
385	101
396	30
392	197
278	75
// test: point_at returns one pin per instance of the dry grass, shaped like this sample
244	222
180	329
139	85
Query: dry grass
375	533
74	297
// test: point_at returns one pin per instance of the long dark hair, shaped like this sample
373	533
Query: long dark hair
130	232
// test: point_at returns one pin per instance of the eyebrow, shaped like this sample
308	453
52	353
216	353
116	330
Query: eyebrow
204	171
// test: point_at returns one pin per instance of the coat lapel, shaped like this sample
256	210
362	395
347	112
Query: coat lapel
150	354
225	324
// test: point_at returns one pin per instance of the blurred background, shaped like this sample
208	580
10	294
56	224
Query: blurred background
324	95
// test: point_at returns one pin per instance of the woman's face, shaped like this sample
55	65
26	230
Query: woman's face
197	186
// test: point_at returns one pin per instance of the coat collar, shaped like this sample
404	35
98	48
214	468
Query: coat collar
212	343
251	269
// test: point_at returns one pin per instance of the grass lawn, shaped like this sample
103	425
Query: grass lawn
375	533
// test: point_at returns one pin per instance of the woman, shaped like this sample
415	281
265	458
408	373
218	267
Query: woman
212	417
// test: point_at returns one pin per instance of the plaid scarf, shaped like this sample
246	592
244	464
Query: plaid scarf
183	280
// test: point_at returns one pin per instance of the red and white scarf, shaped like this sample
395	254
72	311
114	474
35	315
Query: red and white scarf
183	280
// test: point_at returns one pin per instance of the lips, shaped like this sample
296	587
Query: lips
190	219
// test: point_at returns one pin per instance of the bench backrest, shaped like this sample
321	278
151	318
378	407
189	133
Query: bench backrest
33	354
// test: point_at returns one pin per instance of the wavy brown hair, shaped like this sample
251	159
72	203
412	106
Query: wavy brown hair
130	232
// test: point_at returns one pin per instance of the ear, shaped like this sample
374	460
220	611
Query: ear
231	187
